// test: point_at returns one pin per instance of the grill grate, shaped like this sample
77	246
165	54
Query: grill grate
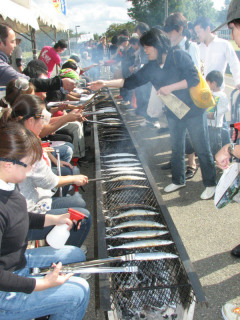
157	283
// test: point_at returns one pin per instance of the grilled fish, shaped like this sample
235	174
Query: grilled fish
154	256
126	187
122	169
119	155
124	172
139	234
134	205
126	178
118	165
142	244
121	160
134	213
137	224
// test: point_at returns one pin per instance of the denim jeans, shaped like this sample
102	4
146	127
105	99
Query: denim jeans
68	301
65	171
65	152
76	238
198	131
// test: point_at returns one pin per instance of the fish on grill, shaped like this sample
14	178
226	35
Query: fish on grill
127	187
112	155
146	256
142	244
139	234
121	160
137	224
133	205
122	169
115	173
134	213
126	178
123	164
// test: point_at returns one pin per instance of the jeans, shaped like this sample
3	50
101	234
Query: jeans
68	301
65	152
76	237
198	131
65	171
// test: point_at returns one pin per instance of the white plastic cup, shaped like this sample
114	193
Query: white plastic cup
58	236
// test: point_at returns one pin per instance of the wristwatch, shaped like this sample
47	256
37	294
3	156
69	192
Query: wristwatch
231	149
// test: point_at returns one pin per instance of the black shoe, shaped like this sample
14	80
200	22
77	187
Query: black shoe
167	166
190	172
236	251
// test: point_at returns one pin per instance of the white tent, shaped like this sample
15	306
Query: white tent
19	16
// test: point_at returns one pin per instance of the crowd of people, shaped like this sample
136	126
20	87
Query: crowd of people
34	197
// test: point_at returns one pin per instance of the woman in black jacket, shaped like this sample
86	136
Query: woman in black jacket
172	70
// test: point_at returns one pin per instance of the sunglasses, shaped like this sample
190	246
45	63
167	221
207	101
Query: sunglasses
20	163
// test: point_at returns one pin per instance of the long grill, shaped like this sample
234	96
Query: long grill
158	283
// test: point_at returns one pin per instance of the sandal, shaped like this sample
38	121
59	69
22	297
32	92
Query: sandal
190	172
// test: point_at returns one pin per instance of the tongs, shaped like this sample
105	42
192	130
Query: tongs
89	270
100	122
92	113
85	264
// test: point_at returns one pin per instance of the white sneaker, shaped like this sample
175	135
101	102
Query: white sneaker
230	312
173	187
208	193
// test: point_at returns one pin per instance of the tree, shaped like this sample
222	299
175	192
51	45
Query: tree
115	28
152	12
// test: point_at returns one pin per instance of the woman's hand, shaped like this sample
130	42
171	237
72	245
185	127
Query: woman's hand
96	85
223	158
65	164
165	90
80	180
52	279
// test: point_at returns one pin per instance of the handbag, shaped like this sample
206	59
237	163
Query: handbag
201	94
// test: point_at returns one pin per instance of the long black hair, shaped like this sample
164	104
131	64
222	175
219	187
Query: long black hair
157	39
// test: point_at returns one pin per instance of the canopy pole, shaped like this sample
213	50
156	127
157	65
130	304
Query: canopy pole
34	47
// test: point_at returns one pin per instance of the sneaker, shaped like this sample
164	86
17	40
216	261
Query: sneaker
208	193
173	187
84	248
230	312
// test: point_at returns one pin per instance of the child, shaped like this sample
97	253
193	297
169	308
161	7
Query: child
216	114
21	295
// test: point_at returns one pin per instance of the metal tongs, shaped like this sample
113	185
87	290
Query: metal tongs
35	271
72	267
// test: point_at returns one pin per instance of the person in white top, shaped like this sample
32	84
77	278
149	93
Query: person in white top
216	114
216	53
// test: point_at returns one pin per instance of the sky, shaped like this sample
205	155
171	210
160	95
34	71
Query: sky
95	16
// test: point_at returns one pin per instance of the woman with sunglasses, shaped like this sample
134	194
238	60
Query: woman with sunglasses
23	296
30	111
171	70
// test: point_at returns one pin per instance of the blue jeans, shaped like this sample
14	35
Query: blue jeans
68	301
198	131
65	152
76	238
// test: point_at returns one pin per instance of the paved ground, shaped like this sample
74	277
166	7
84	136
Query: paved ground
207	233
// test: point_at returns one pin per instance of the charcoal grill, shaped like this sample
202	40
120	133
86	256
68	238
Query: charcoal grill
170	282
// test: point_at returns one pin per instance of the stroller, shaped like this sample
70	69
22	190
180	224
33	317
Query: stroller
235	109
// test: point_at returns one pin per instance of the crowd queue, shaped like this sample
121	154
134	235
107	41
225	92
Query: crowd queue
159	60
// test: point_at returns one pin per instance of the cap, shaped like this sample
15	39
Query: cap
233	13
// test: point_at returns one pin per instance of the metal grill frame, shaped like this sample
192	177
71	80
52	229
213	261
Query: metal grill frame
104	286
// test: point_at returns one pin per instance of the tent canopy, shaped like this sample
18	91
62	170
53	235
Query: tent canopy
22	15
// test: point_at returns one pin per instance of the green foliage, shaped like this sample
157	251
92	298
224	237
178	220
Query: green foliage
115	28
152	12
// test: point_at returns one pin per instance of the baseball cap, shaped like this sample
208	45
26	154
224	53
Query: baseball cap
233	13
